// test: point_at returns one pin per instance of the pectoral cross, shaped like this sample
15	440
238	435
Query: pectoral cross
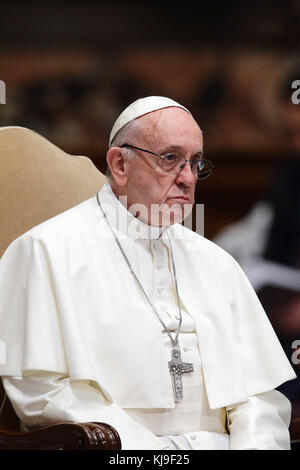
177	368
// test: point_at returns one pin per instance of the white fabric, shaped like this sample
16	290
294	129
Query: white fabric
140	107
66	293
202	440
74	402
43	398
252	424
31	395
64	281
191	415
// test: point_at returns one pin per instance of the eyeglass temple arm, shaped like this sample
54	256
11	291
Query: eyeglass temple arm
143	150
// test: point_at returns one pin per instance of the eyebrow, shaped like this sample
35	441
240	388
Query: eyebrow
177	148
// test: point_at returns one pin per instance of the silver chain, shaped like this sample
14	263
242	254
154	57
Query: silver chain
173	341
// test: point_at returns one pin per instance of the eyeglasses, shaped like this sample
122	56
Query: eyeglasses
174	163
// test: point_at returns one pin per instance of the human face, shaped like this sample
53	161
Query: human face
167	198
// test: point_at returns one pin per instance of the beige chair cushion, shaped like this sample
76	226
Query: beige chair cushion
38	181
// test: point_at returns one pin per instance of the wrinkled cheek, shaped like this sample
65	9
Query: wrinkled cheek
179	212
172	215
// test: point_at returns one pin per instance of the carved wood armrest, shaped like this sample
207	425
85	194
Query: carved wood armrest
295	430
62	436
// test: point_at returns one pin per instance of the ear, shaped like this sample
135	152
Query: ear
116	162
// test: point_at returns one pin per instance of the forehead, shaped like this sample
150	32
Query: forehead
170	126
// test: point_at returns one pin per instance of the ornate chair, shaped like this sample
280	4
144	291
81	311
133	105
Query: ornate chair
38	181
295	434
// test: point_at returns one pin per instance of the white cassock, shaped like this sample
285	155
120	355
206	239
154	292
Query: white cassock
83	345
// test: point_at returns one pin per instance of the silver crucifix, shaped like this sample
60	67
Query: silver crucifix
177	368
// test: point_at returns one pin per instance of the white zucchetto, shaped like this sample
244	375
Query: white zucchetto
140	107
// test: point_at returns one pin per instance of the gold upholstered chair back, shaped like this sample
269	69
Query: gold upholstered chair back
38	181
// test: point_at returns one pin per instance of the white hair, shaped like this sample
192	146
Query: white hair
125	135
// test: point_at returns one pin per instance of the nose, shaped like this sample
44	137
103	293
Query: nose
186	176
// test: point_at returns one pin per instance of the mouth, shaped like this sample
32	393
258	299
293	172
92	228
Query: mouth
179	199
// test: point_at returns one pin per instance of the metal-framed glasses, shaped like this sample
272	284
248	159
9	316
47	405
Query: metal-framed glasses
174	163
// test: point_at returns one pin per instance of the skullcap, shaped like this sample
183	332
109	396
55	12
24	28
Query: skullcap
140	107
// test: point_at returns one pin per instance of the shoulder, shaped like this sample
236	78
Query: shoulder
193	240
205	255
67	225
218	266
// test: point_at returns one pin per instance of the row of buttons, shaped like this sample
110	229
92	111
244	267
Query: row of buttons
159	265
163	277
160	290
165	309
156	245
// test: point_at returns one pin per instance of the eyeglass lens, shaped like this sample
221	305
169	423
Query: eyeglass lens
175	163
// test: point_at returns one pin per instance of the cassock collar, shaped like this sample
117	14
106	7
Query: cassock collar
123	221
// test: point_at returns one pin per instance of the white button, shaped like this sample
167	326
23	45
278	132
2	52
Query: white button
164	308
193	437
187	348
159	266
167	448
160	290
177	316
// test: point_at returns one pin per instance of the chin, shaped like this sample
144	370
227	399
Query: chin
175	214
166	215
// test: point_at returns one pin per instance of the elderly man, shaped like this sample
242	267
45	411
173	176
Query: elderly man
113	311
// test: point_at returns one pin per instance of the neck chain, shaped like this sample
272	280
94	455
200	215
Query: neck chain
176	366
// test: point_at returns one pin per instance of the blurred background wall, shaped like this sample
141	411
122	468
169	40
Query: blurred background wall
71	67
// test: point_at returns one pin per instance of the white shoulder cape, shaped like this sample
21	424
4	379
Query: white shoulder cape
69	305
